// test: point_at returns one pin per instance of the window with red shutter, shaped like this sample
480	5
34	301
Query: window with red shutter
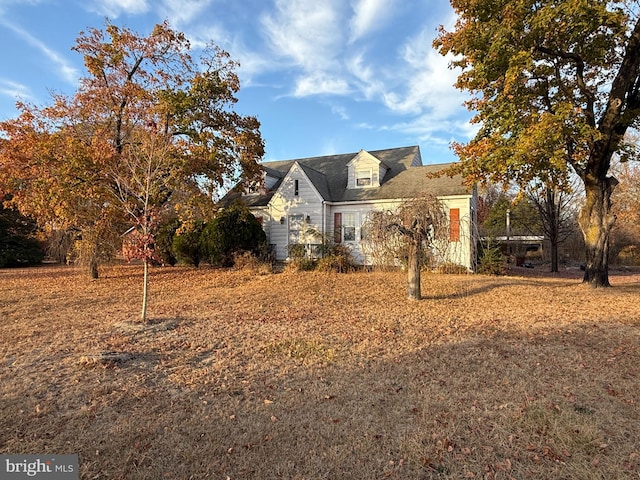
454	224
337	227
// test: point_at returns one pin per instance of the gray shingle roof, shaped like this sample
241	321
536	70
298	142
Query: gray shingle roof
329	176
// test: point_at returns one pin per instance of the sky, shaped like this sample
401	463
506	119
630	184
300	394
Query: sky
322	76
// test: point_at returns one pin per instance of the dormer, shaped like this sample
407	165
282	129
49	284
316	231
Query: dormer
365	171
268	179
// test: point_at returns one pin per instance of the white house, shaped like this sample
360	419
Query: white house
300	201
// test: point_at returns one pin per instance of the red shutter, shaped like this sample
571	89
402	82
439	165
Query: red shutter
454	224
337	227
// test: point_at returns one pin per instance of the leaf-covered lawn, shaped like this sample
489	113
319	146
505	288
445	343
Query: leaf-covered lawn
314	376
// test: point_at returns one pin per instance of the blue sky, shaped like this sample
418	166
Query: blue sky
322	76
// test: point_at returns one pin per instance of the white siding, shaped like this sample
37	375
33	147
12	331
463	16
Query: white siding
270	181
360	210
417	160
461	253
307	202
286	203
364	161
382	171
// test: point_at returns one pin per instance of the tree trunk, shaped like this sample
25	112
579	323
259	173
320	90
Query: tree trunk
553	226
413	269
596	221
93	268
554	255
145	291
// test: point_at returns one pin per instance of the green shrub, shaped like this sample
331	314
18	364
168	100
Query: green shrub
20	251
164	241
306	264
18	247
187	246
233	231
298	259
297	252
491	261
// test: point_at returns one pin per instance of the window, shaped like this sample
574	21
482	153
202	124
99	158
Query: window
296	187
454	224
349	227
344	227
363	178
255	188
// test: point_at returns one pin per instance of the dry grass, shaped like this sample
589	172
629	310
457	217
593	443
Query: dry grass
321	376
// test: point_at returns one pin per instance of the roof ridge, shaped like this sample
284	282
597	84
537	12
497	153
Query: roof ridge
317	157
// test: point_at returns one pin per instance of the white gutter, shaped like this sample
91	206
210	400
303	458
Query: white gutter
324	218
393	200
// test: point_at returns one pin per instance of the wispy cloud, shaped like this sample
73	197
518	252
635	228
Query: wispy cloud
115	8
253	62
7	3
15	90
430	85
340	111
182	12
436	130
368	16
319	83
306	32
433	108
308	38
65	69
365	78
313	45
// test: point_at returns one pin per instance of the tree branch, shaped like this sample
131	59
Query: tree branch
624	89
578	61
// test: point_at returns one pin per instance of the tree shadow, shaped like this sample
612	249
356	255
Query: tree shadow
504	282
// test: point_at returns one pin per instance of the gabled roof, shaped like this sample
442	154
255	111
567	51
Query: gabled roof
272	172
406	177
318	179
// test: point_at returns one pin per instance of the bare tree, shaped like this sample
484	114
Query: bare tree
141	182
558	209
414	227
626	233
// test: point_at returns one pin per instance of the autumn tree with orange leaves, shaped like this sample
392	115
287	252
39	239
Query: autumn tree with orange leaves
555	86
83	162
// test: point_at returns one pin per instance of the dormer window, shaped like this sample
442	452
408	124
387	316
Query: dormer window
255	188
363	178
365	171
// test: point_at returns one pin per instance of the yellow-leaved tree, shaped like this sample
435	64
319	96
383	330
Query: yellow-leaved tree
555	86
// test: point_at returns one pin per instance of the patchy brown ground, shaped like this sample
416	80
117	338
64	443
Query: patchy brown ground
322	376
